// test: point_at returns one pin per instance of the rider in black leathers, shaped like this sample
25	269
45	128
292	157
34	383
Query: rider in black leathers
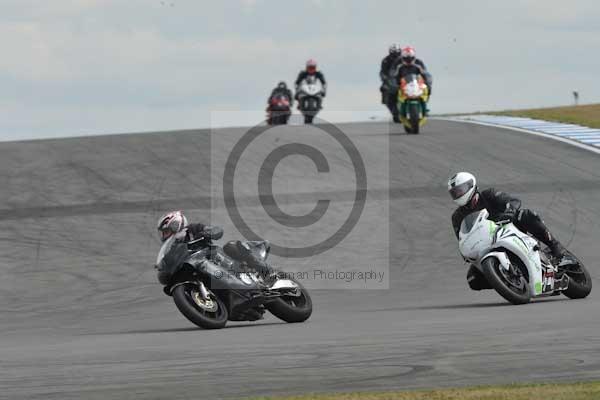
281	88
389	64
502	206
175	223
389	95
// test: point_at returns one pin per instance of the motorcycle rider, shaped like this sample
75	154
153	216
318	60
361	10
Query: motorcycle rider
281	88
410	64
175	222
389	65
501	206
390	62
311	70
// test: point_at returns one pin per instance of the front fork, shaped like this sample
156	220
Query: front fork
204	292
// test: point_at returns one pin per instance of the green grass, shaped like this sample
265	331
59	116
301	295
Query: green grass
586	115
572	391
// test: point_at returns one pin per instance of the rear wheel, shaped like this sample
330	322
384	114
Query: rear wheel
580	281
308	119
292	308
414	116
207	314
510	284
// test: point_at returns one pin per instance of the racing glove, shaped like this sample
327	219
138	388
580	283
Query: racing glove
508	215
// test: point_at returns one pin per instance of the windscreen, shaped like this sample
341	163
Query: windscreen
469	221
172	253
410	78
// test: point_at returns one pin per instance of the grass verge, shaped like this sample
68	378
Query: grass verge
586	115
568	391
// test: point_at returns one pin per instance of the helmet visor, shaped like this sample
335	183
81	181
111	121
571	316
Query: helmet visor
311	69
164	234
460	190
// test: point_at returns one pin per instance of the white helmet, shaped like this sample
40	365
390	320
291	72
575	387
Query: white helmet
171	223
462	187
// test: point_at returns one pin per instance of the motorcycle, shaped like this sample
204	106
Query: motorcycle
210	287
278	112
310	98
514	264
412	96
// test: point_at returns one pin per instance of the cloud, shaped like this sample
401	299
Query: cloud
166	66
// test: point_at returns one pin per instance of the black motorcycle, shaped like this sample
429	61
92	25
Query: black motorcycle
210	287
279	111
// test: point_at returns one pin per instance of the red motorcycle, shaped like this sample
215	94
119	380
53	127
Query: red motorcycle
279	110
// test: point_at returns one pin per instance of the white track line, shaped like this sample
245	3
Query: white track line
581	145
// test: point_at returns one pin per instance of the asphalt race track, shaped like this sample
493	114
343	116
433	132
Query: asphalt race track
82	315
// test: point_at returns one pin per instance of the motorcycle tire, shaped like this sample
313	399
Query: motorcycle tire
292	309
580	282
414	116
183	296
496	278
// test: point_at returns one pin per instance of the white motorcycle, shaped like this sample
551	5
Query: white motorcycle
310	97
514	264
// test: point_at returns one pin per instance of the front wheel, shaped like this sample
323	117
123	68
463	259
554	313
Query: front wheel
414	116
580	281
292	308
207	314
510	284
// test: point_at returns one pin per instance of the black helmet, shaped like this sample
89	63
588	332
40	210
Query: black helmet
282	85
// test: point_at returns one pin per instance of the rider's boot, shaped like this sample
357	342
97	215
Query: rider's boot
561	282
560	257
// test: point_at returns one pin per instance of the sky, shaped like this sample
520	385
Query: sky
85	67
